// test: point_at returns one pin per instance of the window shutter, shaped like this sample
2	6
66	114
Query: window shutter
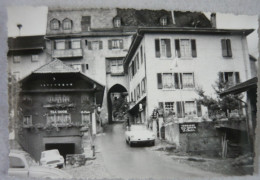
229	50
179	109
224	47
199	112
108	66
160	105
159	80
181	85
133	70
168	48
221	77
83	68
157	48
177	47
237	77
193	48
109	44
89	45
183	109
121	44
100	45
176	81
54	44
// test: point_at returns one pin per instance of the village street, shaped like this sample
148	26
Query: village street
116	159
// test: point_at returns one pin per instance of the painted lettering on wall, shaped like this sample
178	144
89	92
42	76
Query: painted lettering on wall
188	127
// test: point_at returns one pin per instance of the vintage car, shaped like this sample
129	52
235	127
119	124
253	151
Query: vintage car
22	165
136	134
52	158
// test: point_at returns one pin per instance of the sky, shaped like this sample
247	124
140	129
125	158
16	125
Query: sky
34	21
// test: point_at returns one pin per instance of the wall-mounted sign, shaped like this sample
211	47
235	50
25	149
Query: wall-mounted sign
84	112
58	111
188	127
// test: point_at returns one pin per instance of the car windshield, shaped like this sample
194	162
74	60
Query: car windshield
138	128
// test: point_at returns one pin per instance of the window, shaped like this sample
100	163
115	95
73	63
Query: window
163	48
117	66
17	59
186	48
77	66
67	44
141	52
230	78
190	108
136	59
168	81
67	24
16	75
175	80
143	86
117	22
95	45
35	58
115	44
188	80
163	20
226	48
76	44
59	45
138	91
85	118
55	24
27	120
169	108
15	162
85	23
59	119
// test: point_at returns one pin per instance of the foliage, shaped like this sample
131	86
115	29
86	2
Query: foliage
120	107
219	105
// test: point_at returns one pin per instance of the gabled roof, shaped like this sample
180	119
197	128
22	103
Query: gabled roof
26	43
56	66
241	87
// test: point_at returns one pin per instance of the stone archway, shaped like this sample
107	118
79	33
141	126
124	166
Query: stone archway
116	93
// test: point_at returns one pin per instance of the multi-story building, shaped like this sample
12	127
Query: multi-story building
165	66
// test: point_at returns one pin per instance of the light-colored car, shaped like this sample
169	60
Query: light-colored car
139	134
52	158
22	165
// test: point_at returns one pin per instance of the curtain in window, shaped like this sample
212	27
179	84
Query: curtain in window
187	79
190	108
168	81
75	44
185	48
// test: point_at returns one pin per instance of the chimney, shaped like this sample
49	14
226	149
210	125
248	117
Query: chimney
213	20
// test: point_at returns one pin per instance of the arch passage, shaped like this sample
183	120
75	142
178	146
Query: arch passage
116	99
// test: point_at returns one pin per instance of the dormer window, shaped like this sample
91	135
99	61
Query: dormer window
55	24
117	22
163	21
67	24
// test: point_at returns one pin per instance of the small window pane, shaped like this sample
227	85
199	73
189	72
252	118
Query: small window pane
60	45
76	44
185	48
17	59
35	58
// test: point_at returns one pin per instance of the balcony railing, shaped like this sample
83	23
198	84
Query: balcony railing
67	53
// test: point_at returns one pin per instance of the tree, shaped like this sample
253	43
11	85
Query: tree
219	104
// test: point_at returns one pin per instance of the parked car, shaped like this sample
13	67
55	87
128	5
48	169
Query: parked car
52	158
22	165
139	134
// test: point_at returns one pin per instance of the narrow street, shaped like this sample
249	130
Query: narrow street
123	161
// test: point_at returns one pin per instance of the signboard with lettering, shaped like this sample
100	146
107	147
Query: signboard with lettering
188	127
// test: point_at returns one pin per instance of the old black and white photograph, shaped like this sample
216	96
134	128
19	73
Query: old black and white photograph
131	93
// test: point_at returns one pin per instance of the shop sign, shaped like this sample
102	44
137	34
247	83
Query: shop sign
188	127
58	111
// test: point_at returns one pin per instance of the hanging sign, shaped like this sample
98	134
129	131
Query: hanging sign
188	127
58	111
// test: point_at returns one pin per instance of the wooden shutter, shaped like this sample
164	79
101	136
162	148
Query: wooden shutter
179	109
157	48
83	68
183	109
221	77
177	47
89	45
229	50
109	44
176	81
199	112
237	77
193	48
168	48
224	47
54	44
132	68
181	85
108	69
121	44
159	80
100	45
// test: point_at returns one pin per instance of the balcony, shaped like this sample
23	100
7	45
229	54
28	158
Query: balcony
67	53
